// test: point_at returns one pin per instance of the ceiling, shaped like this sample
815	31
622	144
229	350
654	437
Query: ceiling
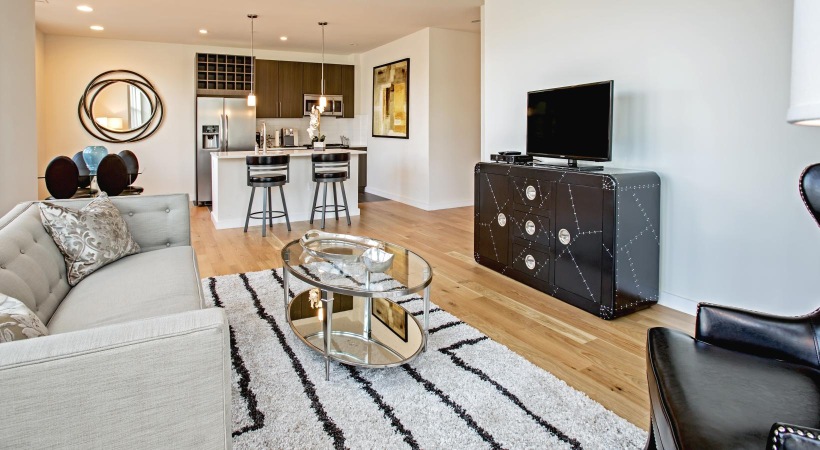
366	24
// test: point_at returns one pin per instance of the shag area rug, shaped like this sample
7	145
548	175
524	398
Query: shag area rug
466	392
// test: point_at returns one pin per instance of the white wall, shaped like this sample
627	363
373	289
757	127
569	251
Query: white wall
399	169
701	93
433	168
18	119
455	116
40	82
167	157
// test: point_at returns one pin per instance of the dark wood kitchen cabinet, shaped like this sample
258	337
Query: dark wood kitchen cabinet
267	88
290	89
348	90
312	78
281	85
590	239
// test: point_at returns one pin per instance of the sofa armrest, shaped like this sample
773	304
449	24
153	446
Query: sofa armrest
792	339
784	436
157	383
155	221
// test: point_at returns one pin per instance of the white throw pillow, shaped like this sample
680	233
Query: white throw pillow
90	238
17	322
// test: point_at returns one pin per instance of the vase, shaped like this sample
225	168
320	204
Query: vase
318	145
92	155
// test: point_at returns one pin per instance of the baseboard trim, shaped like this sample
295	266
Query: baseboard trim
420	205
678	303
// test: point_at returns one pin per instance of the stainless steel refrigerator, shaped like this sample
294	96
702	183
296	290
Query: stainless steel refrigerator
222	125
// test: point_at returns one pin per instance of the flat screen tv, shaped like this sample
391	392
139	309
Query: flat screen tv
573	123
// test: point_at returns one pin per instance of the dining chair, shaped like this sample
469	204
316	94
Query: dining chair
112	175
61	178
132	165
84	189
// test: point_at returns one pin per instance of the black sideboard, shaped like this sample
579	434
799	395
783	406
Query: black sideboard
591	239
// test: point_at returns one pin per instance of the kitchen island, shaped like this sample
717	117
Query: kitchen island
230	192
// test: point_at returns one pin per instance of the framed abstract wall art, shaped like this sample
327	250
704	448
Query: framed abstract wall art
391	99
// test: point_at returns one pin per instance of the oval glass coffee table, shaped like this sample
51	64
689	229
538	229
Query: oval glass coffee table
351	314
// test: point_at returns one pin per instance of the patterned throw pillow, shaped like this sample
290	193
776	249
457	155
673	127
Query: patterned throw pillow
17	322
89	238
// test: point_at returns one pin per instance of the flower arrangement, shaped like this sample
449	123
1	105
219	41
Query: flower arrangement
314	128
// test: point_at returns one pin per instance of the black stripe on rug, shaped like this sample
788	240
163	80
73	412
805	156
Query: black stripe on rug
328	424
281	282
418	313
445	326
430	387
386	409
257	416
450	351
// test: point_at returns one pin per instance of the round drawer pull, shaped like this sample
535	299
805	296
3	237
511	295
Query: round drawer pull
531	193
502	220
529	227
530	262
564	236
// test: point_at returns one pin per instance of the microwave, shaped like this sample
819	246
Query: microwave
335	105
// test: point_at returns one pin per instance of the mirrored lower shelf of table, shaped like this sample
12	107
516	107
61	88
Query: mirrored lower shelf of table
367	332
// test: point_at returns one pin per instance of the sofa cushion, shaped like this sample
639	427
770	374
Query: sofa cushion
32	269
717	398
136	287
90	238
17	322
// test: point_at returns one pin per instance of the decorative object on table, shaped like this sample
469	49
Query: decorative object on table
62	178
92	155
392	315
391	99
377	260
120	106
112	175
89	238
132	167
17	322
467	375
267	172
333	168
337	247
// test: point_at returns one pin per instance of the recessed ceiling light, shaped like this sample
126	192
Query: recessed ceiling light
97	27
85	8
283	38
203	31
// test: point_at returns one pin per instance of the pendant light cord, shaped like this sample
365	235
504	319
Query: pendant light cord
323	56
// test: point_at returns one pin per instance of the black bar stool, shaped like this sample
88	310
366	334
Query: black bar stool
330	168
266	172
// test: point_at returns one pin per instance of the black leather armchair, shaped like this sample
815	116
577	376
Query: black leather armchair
746	380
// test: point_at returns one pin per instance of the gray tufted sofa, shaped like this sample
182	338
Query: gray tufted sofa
134	358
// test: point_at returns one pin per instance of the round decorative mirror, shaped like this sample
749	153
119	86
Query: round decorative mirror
120	106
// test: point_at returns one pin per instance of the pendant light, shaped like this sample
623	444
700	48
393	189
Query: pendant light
804	108
252	95
322	98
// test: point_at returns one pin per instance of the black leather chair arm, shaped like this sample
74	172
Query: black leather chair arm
784	436
792	339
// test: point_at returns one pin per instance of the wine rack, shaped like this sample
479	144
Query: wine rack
218	74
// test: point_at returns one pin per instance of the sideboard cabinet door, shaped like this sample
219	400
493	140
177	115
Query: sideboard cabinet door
494	217
579	240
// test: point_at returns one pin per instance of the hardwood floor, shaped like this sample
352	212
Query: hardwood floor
604	359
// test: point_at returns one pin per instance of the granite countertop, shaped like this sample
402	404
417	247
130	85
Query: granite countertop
292	151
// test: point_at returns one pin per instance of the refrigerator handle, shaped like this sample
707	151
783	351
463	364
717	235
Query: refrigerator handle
227	130
221	131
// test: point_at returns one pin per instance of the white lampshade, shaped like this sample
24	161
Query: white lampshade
805	97
114	123
251	100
